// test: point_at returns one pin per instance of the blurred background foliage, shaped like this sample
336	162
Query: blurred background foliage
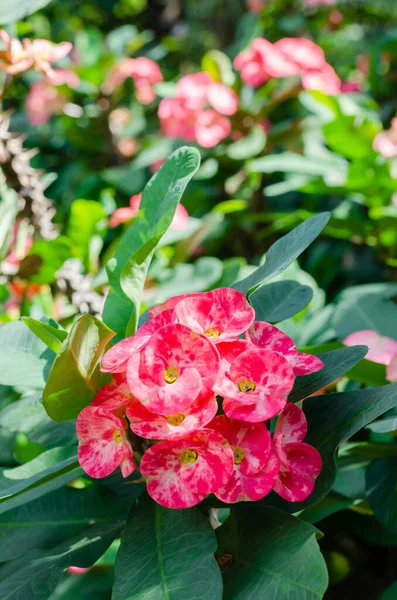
72	156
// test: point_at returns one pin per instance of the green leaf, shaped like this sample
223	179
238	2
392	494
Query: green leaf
219	66
75	376
390	593
327	506
167	554
283	252
381	477
86	224
346	413
49	471
271	555
25	360
368	372
55	517
27	415
336	363
94	584
19	9
280	300
250	145
289	162
50	336
128	268
385	425
36	574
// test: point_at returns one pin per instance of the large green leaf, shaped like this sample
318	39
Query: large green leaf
55	517
381	477
75	376
19	9
87	223
49	471
289	162
36	575
280	300
283	252
25	360
128	268
333	419
94	584
50	336
167	555
269	554
336	363
390	593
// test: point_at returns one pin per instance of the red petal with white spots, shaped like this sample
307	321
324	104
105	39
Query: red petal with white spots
253	439
115	394
265	335
163	398
103	445
201	315
158	427
266	407
239	313
177	484
303	364
296	481
242	487
291	425
178	347
115	359
170	303
391	370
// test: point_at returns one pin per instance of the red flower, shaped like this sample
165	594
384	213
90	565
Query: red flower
172	369
256	466
180	473
256	386
264	335
103	445
160	427
300	463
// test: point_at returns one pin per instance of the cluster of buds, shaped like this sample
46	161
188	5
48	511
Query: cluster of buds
194	387
287	57
199	111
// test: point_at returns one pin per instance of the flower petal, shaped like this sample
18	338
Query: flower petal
296	482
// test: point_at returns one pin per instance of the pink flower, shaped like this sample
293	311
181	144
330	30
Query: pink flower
170	303
304	53
114	395
220	315
160	427
256	466
251	65
211	128
125	214
103	445
145	73
199	89
386	141
351	87
320	2
178	119
174	367
77	570
44	53
256	386
264	335
64	77
43	101
255	6
115	360
381	349
324	80
180	473
300	463
14	58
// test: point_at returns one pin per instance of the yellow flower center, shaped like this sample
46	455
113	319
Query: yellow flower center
246	386
212	333
238	455
176	419
170	374
117	436
189	456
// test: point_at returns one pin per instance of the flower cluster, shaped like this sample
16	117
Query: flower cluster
192	390
287	57
199	111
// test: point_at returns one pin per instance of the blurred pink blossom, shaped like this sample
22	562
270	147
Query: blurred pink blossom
324	80
14	58
126	213
381	349
319	2
255	6
18	57
211	128
43	101
386	141
145	73
177	118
